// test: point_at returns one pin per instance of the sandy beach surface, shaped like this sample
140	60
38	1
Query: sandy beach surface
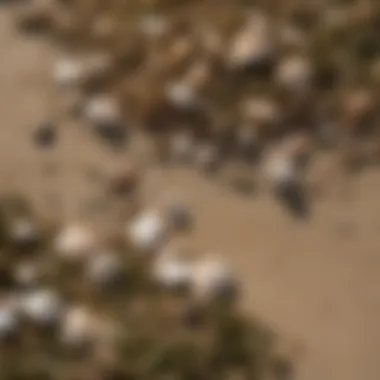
316	282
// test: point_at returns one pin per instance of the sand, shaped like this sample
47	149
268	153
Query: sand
316	282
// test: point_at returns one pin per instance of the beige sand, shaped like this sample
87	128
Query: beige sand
309	283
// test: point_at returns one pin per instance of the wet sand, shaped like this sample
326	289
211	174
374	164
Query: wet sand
315	282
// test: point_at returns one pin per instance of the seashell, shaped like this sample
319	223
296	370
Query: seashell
172	273
9	318
147	231
104	268
76	329
252	45
212	279
42	306
68	72
294	73
75	242
102	110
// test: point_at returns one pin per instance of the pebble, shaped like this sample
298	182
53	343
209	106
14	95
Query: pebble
45	136
179	216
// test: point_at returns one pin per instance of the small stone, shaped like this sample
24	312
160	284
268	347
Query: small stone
27	274
124	179
179	216
102	110
45	136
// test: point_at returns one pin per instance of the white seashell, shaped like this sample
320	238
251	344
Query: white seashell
172	273
147	231
294	73
41	306
75	242
68	72
104	268
9	321
23	230
102	110
182	95
211	278
252	45
76	327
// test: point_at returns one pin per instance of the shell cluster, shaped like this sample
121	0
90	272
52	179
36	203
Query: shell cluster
93	298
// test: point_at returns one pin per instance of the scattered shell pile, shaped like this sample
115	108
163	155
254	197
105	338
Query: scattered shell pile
230	74
75	304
